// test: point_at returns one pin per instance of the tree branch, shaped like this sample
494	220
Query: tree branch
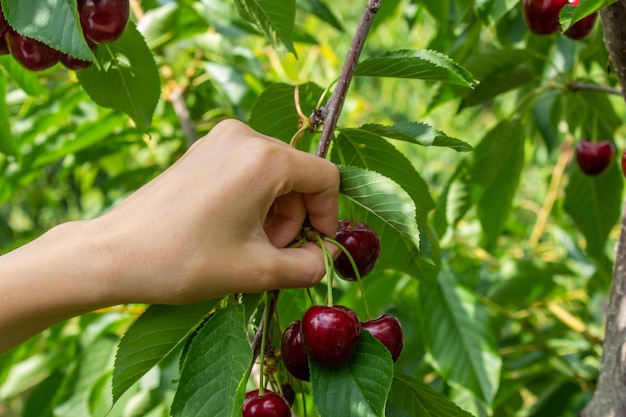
336	100
609	398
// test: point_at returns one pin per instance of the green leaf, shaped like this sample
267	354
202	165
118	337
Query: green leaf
457	335
418	399
358	388
418	133
360	148
499	71
53	22
417	64
322	11
497	168
128	78
274	113
95	364
152	337
395	212
8	145
28	81
595	205
571	14
275	18
215	367
455	200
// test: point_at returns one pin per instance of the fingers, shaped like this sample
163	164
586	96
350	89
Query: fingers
300	267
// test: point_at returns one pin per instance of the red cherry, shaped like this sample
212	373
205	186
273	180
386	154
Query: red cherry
330	334
388	330
268	405
582	28
103	21
542	16
293	353
364	246
77	64
594	158
30	53
624	162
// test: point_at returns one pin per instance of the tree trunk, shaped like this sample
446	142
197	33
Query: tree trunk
609	399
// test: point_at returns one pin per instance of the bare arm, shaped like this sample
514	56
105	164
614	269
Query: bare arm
214	223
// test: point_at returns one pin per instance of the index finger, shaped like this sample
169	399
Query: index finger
318	180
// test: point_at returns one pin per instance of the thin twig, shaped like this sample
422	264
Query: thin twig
574	86
335	103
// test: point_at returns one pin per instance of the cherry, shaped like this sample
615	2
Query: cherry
594	158
32	54
4	25
77	64
269	404
330	334
364	246
542	16
388	330
582	28
293	353
103	21
624	162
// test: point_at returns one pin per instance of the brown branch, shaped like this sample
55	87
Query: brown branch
335	103
573	86
609	398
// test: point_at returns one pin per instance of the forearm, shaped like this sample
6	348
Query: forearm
60	275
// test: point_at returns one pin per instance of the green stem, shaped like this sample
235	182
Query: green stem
263	342
356	272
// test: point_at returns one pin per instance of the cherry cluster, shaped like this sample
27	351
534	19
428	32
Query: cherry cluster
102	21
330	334
542	18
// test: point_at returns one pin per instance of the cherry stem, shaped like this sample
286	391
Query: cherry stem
356	272
329	266
266	317
335	103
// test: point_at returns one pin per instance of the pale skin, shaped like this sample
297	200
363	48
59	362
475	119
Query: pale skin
215	223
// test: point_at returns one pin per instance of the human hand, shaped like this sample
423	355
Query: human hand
217	221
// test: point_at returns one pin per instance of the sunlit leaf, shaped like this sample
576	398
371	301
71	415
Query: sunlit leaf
358	388
152	337
128	78
458	338
416	64
215	367
595	205
53	22
418	399
275	18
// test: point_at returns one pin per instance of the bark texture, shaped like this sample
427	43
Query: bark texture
609	399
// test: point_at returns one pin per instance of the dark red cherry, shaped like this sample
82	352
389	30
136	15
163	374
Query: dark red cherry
582	28
364	246
4	25
77	64
330	334
293	353
388	330
594	158
103	21
269	404
542	16
30	53
624	163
